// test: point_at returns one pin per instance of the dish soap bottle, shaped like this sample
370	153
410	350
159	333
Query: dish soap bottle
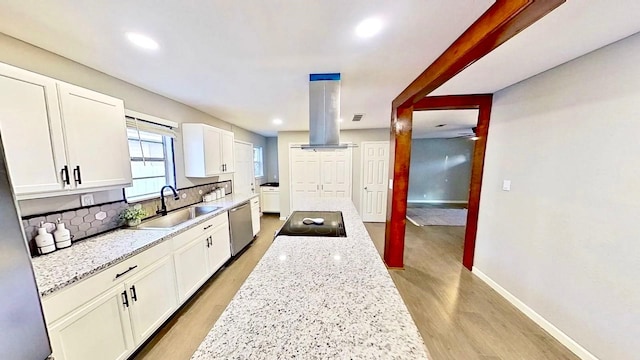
44	240
62	236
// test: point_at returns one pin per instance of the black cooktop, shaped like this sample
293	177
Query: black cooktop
332	226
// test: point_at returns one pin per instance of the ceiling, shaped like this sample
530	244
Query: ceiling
457	123
247	62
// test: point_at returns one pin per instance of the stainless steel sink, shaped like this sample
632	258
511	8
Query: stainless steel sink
176	218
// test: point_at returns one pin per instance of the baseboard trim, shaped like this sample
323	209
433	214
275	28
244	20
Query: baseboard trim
563	338
437	201
413	221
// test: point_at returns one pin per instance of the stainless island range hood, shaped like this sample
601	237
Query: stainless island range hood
324	112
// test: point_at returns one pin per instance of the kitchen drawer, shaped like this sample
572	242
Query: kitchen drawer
200	229
255	202
70	298
269	189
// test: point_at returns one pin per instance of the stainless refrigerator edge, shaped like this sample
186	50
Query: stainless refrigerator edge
23	332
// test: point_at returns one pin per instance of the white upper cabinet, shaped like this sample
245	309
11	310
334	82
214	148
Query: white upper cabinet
31	130
208	151
60	138
226	148
96	137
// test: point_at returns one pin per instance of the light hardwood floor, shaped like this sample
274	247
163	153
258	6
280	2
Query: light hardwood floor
458	315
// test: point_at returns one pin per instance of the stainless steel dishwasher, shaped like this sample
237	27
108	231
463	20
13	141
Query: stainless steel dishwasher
240	226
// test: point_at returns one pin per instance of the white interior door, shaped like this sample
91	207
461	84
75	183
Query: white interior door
243	179
375	172
335	173
304	172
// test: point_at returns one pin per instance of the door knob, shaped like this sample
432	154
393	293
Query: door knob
366	188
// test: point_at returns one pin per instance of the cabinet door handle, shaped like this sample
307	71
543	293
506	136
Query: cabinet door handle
126	271
65	175
77	176
134	296
125	300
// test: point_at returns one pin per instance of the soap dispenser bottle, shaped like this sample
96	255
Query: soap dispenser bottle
62	236
44	240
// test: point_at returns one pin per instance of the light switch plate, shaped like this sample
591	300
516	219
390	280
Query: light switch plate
506	185
87	200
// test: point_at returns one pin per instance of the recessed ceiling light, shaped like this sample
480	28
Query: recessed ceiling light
277	121
142	41
369	27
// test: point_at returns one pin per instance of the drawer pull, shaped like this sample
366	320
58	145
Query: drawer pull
126	271
208	227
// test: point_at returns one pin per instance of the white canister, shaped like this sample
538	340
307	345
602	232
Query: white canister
220	192
44	241
62	236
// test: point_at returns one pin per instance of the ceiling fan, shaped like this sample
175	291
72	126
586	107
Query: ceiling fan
466	135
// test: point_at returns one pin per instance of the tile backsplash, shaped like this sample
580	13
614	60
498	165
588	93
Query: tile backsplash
88	221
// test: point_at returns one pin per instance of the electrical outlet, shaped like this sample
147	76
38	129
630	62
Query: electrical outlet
506	185
87	200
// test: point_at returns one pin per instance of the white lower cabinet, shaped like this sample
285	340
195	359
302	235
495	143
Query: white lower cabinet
99	330
219	247
107	316
255	215
191	267
152	298
112	325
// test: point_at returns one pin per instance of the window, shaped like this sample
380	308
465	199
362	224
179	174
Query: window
258	162
152	165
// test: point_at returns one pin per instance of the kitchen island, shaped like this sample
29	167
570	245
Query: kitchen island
318	298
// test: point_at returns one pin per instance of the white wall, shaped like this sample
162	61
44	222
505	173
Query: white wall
302	137
440	170
565	240
29	57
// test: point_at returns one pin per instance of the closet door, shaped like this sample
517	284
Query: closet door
304	167
335	173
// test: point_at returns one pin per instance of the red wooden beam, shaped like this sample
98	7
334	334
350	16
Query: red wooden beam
503	20
400	143
475	186
453	102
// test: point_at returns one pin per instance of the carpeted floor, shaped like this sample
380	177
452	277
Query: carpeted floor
422	216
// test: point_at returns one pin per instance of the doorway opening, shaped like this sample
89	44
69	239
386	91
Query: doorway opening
440	168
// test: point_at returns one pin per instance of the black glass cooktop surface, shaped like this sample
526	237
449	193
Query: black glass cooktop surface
331	225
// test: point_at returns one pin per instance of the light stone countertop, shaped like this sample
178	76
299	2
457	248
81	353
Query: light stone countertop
317	298
88	257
